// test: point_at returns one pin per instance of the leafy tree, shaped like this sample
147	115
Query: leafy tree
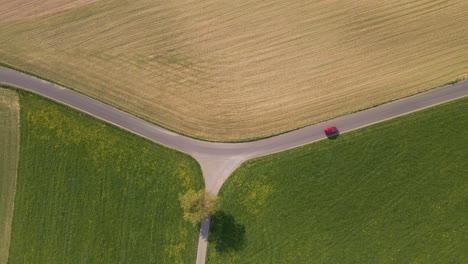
198	205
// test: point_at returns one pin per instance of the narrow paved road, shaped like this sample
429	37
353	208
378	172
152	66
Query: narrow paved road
219	160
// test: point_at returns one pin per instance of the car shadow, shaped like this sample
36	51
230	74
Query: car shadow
225	233
333	136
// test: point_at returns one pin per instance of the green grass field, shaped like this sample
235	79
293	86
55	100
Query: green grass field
240	69
9	140
396	192
91	193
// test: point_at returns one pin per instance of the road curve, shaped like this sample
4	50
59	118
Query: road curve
219	160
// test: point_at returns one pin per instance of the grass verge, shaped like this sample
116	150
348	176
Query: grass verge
91	193
395	192
9	148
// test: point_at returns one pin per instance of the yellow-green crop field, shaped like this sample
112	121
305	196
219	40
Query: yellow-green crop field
88	192
233	70
9	139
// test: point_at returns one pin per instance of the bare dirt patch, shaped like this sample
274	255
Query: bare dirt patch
20	9
9	140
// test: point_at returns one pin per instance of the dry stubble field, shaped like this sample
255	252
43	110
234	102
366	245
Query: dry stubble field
233	70
9	139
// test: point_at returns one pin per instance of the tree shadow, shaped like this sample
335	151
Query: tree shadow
225	233
204	227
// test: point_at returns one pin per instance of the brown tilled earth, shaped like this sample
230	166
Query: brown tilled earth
233	70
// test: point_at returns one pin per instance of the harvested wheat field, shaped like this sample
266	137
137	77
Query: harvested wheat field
21	9
236	70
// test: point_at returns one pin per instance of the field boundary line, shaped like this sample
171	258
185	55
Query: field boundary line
10	207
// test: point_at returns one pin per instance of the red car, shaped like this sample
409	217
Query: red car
330	131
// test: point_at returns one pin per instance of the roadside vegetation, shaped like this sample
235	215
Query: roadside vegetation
88	192
395	192
9	140
238	70
198	205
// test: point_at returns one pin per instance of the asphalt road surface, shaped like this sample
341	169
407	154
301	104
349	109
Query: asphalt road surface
219	160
